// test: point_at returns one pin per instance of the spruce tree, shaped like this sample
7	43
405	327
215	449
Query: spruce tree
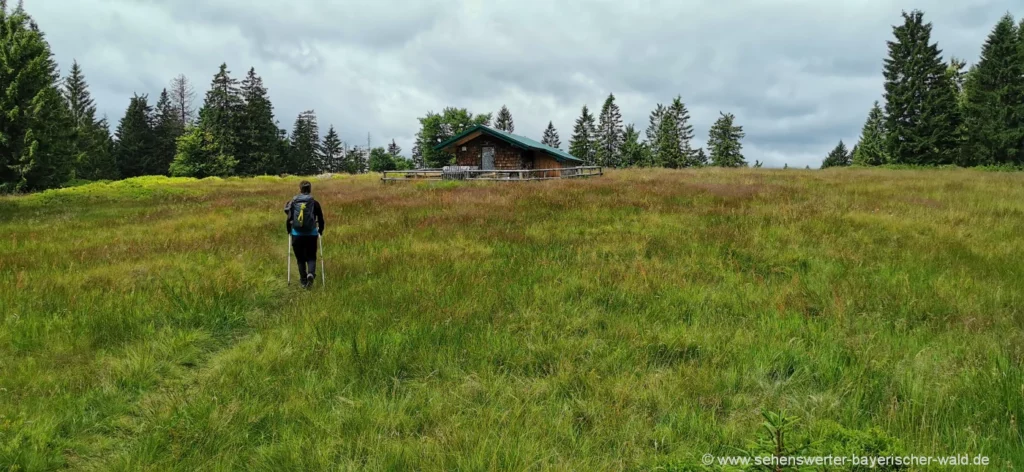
957	70
79	100
305	145
839	157
135	148
724	141
667	150
331	152
551	137
221	110
102	164
956	79
870	151
700	158
921	109
357	160
582	145
283	152
994	106
634	152
90	142
167	128
654	125
609	134
680	154
1020	85
256	129
35	124
394	149
503	121
685	131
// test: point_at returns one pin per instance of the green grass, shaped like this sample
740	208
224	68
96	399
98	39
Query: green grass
635	321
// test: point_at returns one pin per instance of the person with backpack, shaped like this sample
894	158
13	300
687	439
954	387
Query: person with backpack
305	225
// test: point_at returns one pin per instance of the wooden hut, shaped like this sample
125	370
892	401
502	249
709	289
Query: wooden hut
486	148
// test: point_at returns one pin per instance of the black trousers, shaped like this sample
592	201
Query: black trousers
305	254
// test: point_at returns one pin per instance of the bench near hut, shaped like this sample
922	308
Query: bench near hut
485	153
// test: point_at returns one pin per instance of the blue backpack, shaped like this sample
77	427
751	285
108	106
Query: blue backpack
301	212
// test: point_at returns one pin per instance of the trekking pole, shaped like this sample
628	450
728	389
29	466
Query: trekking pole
288	260
323	273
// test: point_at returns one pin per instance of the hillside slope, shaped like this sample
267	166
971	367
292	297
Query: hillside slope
638	320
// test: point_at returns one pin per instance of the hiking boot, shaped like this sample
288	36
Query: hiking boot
310	279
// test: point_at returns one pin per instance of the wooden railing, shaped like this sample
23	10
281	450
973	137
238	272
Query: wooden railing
418	174
492	174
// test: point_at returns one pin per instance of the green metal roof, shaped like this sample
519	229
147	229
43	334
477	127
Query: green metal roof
513	139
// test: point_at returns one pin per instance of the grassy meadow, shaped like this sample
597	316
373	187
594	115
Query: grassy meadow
631	322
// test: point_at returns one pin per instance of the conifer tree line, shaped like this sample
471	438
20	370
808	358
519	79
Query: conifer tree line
601	140
935	113
667	142
51	136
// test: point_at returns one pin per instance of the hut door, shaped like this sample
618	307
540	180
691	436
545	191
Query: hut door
488	159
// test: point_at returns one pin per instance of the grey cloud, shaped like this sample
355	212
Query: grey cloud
295	32
798	74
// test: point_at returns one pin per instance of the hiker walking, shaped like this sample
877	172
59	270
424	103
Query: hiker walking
305	225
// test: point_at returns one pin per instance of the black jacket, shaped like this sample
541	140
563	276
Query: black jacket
317	212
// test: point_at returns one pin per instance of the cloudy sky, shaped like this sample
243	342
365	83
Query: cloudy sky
798	74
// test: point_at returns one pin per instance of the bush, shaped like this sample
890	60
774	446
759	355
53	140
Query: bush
199	155
381	161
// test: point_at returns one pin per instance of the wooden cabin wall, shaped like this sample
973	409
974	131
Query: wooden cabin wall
544	160
506	156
